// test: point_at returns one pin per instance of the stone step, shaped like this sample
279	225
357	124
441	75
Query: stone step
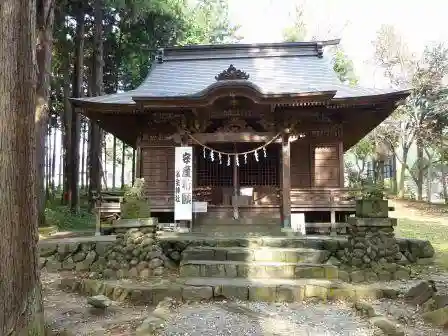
197	289
238	240
292	255
281	290
256	269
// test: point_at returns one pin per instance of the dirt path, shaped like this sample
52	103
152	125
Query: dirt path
419	211
68	312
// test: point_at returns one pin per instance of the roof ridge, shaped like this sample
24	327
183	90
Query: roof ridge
224	51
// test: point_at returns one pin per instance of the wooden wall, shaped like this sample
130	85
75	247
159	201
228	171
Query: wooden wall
318	165
314	164
157	168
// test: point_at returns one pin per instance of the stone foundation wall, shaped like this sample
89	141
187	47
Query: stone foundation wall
371	241
133	254
410	250
74	254
138	253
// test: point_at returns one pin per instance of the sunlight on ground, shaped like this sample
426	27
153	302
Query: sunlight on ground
437	234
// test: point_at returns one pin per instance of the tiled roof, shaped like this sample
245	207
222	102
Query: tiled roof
281	68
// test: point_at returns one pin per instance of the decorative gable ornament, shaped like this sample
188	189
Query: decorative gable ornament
232	73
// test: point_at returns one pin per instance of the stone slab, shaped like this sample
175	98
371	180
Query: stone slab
242	269
376	222
269	254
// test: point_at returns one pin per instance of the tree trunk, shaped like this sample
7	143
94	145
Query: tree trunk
401	189
94	130
394	173
53	162
21	311
420	170
114	161
47	163
133	166
444	183
44	25
67	130
77	92
60	169
123	162
105	161
83	156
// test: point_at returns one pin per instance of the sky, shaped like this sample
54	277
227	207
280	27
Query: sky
354	21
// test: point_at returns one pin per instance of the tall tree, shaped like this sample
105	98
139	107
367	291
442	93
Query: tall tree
44	24
21	311
94	130
79	7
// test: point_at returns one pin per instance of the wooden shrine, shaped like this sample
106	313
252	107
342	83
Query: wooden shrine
268	123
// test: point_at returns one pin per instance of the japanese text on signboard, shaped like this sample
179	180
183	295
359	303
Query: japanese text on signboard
183	185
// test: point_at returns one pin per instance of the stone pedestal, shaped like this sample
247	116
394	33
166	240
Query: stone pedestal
371	242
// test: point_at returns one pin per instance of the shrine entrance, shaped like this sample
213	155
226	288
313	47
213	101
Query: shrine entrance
243	179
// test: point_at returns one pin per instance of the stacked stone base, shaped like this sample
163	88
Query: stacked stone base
135	254
372	252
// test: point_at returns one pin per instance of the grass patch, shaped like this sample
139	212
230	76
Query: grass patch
60	218
437	234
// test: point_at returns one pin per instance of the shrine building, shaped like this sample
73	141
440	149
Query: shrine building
267	126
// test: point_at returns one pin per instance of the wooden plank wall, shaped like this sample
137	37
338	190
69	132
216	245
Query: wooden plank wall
157	168
316	165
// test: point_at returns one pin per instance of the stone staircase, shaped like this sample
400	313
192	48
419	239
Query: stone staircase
271	269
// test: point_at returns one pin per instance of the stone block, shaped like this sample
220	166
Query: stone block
441	300
262	293
198	254
188	270
99	301
387	326
234	292
269	255
230	270
47	249
316	291
357	276
149	326
371	222
420	293
290	293
193	293
309	272
331	272
240	255
342	292
344	275
364	308
372	208
437	317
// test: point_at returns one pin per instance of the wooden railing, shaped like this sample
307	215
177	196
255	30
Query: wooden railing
306	198
322	198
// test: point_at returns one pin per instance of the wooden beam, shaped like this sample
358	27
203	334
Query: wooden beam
286	182
234	137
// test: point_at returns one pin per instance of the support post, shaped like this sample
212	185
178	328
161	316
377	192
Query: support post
333	230
235	198
286	182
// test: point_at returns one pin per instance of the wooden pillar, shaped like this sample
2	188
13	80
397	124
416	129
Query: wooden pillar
341	164
139	159
235	198
286	182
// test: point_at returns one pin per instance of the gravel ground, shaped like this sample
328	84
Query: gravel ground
262	319
70	312
408	316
